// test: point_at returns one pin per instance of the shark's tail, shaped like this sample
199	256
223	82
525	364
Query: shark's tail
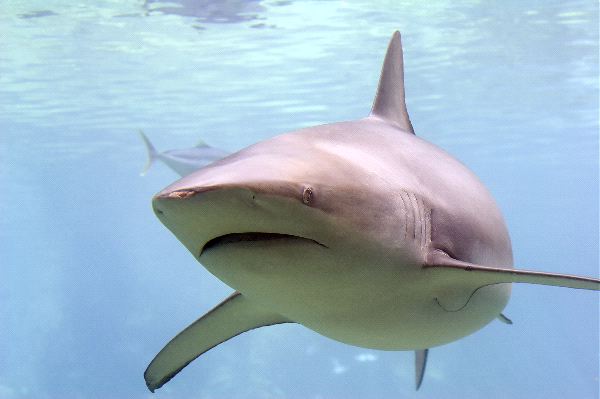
152	154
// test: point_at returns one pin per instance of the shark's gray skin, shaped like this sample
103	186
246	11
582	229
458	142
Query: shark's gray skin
184	161
360	231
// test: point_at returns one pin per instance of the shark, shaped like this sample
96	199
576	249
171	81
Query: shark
359	230
182	161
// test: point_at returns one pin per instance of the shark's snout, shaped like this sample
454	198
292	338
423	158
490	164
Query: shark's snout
213	208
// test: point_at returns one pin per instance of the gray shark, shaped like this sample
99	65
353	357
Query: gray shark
360	231
184	161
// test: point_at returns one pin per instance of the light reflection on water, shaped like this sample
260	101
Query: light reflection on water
110	70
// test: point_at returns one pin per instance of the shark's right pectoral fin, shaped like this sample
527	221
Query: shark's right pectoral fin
233	316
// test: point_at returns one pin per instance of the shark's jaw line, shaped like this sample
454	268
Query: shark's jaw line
252	237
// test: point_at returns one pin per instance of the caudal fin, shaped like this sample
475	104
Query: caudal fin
152	154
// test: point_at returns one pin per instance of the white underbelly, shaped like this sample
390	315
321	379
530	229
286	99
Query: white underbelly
361	301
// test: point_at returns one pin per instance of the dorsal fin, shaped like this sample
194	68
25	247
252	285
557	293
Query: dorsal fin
389	101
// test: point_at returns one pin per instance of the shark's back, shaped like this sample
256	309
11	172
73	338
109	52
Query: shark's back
458	214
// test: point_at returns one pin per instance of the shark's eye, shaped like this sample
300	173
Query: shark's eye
307	195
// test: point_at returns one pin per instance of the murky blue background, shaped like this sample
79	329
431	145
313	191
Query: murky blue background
92	285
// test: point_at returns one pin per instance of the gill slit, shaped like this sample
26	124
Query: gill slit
422	207
417	217
427	226
405	211
414	211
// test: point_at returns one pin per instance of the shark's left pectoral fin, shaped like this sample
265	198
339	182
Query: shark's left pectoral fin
485	275
420	364
233	316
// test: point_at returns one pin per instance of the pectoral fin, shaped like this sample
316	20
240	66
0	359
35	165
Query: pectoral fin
484	275
231	317
504	319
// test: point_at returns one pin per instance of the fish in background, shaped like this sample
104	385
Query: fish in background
183	161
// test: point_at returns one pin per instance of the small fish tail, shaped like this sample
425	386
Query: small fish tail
152	154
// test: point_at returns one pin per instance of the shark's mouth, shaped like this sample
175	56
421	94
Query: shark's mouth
234	238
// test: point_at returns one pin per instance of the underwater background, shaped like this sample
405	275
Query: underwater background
92	285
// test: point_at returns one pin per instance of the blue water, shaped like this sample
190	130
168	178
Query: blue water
92	285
